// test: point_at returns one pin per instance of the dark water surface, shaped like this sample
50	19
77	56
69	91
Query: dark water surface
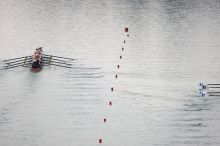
173	45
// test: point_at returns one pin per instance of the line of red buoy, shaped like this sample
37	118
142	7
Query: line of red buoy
118	66
116	77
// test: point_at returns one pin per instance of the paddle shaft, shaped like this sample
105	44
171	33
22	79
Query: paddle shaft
22	60
214	95
212	92
8	67
15	58
59	57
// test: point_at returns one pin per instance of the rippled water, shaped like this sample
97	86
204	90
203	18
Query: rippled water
173	45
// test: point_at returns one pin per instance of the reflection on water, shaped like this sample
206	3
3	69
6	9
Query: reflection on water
173	45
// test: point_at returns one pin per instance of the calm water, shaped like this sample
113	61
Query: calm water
173	45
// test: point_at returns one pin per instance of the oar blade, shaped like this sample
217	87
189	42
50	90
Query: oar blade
213	84
52	56
6	60
22	60
61	63
8	67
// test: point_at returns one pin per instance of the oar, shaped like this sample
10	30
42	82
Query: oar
54	59
46	57
204	87
202	84
19	63
59	57
28	62
8	67
212	92
15	58
49	62
214	95
61	62
23	60
204	93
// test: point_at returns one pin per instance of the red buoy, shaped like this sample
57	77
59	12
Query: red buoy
100	140
110	103
126	29
122	49
112	89
105	120
116	76
118	66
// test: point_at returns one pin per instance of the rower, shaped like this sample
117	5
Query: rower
38	54
37	57
39	51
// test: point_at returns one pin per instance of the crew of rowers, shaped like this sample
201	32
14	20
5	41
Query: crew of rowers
37	54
